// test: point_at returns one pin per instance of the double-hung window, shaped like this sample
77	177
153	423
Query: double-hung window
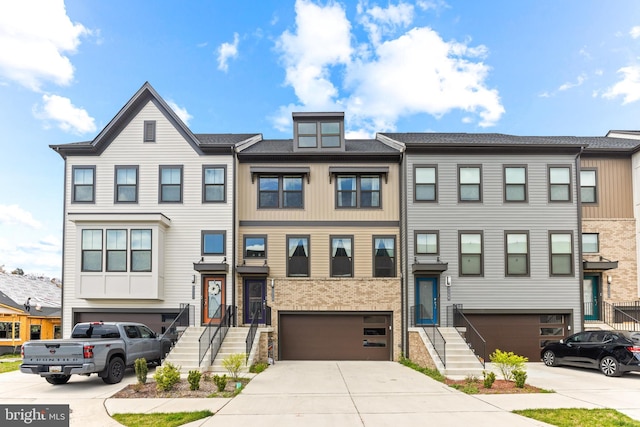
255	246
126	184
84	184
358	191
213	183
470	183
559	184
116	250
298	256
384	256
517	253
140	250
171	184
341	256
561	253
91	250
426	184
213	242
281	191
515	184
588	186
427	243
471	256
590	243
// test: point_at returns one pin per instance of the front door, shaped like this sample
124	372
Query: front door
213	299
254	301
591	293
426	308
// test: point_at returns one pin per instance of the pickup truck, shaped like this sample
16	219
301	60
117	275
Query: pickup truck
105	348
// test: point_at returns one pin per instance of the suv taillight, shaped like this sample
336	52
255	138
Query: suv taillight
634	349
87	351
22	351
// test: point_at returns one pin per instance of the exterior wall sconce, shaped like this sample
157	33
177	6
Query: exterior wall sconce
609	279
193	279
448	281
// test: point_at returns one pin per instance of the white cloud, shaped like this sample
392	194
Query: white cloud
227	51
635	32
35	255
384	21
322	40
35	37
579	81
14	214
181	112
67	116
628	87
417	72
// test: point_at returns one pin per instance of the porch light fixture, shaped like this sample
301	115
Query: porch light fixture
609	279
448	281
193	279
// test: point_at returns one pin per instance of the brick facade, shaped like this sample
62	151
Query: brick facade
418	351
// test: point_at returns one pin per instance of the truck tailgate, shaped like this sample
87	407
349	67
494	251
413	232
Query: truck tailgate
53	352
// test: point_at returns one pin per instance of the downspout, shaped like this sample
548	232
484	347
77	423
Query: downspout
404	292
235	237
64	239
579	243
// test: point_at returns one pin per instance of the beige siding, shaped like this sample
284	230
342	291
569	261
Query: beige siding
614	186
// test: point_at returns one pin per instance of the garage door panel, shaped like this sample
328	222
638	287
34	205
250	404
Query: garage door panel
331	337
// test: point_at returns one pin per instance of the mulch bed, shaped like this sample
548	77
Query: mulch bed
498	387
181	389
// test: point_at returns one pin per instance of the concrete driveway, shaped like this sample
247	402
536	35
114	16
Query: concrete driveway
337	394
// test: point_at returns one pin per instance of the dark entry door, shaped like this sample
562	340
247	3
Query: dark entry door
254	301
591	289
426	308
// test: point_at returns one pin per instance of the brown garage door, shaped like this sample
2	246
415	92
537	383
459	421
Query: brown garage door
158	322
524	334
353	336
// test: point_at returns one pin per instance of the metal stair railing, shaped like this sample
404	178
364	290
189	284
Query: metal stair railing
251	335
615	317
431	331
471	335
182	319
214	334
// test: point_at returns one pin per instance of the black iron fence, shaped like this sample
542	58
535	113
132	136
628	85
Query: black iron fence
622	316
255	316
179	324
471	334
214	334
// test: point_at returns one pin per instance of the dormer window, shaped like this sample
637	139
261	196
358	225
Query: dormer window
318	131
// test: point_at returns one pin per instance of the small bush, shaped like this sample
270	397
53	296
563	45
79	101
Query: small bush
167	376
520	377
140	366
256	368
233	363
220	382
194	379
489	379
507	362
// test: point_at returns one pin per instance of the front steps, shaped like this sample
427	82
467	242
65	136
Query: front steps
461	362
234	342
186	351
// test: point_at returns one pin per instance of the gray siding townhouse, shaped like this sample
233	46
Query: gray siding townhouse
491	226
148	219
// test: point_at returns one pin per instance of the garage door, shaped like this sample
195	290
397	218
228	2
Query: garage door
158	322
352	336
524	334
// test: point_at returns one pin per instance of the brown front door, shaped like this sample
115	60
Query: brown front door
213	299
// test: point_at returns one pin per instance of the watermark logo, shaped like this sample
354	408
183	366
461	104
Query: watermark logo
34	415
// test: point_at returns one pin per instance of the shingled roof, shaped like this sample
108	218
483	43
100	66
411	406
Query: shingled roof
15	289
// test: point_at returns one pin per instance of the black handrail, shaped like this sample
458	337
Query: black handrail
471	335
214	332
182	319
433	333
252	333
615	317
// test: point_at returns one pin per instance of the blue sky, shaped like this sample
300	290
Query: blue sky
526	67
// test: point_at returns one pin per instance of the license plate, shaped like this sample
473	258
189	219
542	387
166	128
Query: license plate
55	368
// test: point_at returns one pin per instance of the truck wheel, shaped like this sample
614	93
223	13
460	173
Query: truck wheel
58	379
115	371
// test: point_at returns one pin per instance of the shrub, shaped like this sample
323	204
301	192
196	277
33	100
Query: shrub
520	376
140	366
489	379
256	368
220	382
233	363
507	363
167	376
194	379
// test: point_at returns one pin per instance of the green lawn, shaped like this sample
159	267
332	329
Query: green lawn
580	417
9	366
160	419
